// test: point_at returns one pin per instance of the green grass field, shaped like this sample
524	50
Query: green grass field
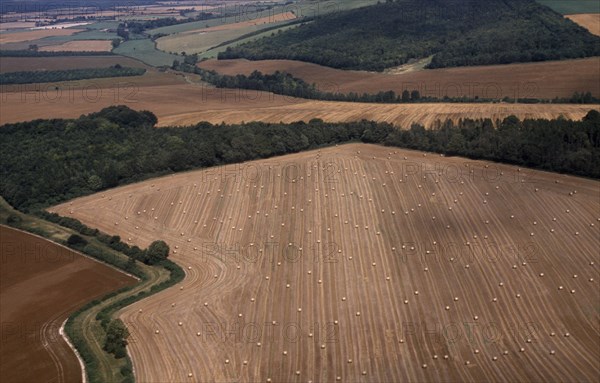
570	7
145	51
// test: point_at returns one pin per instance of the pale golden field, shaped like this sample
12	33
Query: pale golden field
201	40
401	115
362	263
80	46
590	21
15	37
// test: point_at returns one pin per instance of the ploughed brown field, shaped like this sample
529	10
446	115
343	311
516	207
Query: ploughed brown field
545	80
362	263
590	21
41	284
183	100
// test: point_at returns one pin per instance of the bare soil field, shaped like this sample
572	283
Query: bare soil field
41	284
531	80
181	100
590	21
80	46
16	37
362	263
15	64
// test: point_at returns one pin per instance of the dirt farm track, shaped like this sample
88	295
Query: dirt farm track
361	263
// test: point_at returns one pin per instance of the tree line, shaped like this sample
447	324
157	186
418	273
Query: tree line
40	76
44	162
454	33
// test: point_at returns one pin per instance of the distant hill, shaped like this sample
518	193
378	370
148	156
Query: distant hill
454	32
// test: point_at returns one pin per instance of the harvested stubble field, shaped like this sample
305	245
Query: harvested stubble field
401	115
16	64
80	46
590	21
531	80
42	283
180	100
362	263
200	40
15	37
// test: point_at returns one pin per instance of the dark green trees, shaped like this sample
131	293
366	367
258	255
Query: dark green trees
157	251
454	33
116	338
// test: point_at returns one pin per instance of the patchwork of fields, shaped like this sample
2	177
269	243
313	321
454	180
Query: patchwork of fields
181	100
545	80
353	263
